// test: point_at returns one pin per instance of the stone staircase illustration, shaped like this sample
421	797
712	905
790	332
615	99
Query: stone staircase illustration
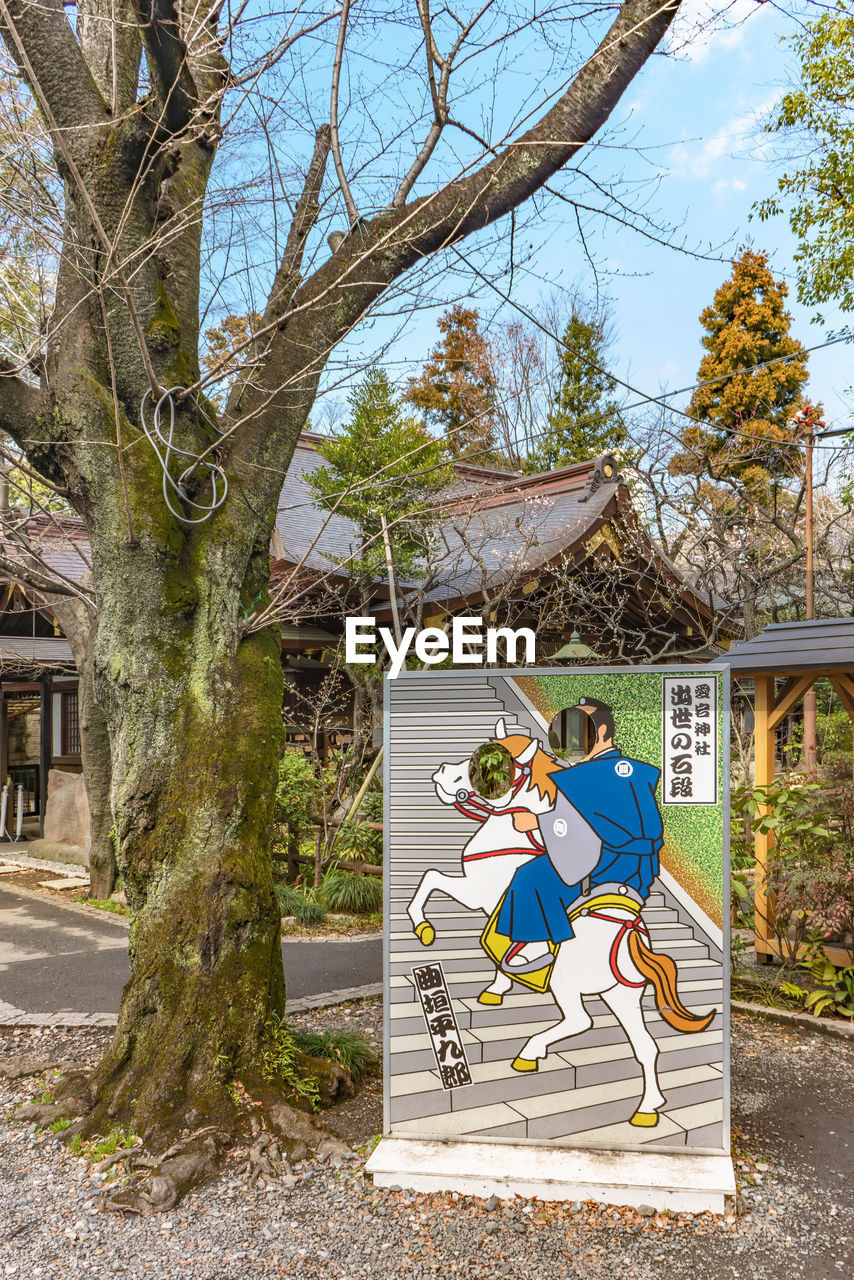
589	1085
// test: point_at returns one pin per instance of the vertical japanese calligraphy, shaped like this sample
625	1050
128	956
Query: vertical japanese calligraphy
442	1026
690	739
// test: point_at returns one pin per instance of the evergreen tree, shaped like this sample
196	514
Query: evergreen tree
391	463
741	417
584	419
456	389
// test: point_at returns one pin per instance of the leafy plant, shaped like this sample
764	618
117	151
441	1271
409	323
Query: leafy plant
342	891
834	990
809	870
491	770
298	792
346	1047
372	804
359	840
58	1125
280	1060
294	902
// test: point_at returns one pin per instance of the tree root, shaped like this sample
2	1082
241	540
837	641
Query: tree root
154	1181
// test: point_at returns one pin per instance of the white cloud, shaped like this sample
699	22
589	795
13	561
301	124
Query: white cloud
702	26
739	137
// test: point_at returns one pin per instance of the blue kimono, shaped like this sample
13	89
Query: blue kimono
616	796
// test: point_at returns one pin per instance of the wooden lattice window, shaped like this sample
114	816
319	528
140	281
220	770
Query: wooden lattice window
70	724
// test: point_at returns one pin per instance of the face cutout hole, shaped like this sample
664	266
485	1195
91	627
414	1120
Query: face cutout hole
491	771
571	734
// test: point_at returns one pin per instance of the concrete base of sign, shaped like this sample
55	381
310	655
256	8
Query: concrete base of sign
662	1179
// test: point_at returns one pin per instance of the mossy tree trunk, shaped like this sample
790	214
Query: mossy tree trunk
190	696
195	724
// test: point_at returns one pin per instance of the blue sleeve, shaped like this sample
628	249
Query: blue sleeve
622	811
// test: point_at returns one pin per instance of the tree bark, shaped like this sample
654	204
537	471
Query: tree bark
194	717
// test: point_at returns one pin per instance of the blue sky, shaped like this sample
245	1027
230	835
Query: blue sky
700	162
706	112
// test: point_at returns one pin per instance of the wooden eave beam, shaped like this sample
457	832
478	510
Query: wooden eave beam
790	697
844	688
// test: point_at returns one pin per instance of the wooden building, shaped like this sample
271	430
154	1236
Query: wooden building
564	553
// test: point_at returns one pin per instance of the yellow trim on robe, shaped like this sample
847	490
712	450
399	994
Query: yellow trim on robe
496	945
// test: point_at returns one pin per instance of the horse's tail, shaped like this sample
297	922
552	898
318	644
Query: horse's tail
661	971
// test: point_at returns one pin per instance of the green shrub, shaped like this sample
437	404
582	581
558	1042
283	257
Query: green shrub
351	1050
294	902
280	1060
372	805
358	840
809	869
342	891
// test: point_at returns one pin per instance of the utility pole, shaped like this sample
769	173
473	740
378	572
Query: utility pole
808	419
392	585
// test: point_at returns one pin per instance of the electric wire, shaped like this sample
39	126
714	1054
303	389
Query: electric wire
215	471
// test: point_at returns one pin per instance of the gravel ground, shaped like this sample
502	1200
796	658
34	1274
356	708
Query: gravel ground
793	1099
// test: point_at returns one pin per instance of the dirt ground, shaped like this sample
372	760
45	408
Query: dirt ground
793	1130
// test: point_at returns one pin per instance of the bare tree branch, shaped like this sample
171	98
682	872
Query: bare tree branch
174	87
20	407
352	211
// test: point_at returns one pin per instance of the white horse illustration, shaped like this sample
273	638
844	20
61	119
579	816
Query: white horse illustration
609	956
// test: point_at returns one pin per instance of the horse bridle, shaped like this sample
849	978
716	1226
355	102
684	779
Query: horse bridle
471	806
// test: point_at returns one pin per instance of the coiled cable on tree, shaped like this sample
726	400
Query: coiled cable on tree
154	434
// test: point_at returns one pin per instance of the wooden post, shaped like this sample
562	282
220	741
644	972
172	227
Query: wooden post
46	748
4	747
764	776
810	744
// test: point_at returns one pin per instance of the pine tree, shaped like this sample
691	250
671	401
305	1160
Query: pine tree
456	389
391	463
584	419
741	417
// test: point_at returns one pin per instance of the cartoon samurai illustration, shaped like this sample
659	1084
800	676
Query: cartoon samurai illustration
562	864
604	833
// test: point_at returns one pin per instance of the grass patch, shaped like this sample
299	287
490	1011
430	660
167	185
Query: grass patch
106	1146
352	1051
58	1125
107	904
342	891
293	902
99	1146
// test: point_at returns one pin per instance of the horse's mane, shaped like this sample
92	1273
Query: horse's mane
542	765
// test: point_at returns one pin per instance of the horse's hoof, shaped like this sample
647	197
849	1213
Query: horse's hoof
425	933
526	1064
645	1119
490	997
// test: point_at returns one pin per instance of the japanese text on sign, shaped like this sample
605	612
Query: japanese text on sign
442	1026
690	739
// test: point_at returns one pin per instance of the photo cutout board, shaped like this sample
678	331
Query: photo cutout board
556	885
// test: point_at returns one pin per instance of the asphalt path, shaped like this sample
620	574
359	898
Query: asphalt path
58	957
